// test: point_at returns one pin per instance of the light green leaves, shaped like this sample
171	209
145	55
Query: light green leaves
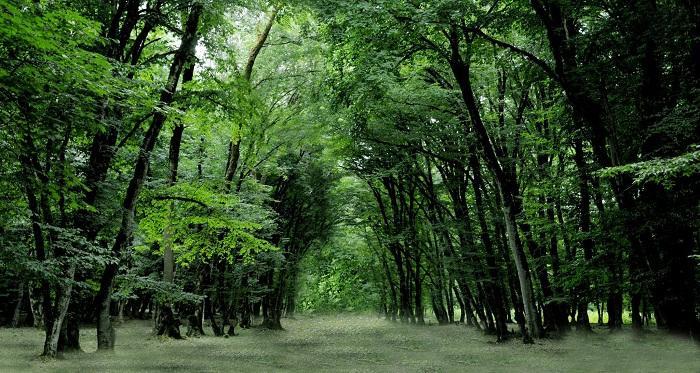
662	171
203	224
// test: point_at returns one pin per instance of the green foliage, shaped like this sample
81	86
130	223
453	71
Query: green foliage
340	276
202	224
131	286
661	171
374	158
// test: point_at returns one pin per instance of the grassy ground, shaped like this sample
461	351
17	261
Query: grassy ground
354	343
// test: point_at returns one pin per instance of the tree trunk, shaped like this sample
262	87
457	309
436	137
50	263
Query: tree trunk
69	340
62	302
166	311
532	318
462	306
583	289
274	301
40	250
234	153
195	312
35	308
404	296
105	331
636	301
438	306
461	74
393	305
168	324
15	322
494	271
450	299
418	290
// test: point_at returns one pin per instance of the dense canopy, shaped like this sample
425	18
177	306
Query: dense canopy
524	167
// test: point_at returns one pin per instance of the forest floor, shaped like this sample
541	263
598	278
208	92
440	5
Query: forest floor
354	343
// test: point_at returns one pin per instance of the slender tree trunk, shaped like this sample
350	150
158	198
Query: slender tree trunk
62	302
461	73
468	304
393	307
409	288
512	279
40	215
15	322
166	313
583	289
404	297
462	305
105	332
450	299
494	271
195	318
234	153
35	307
418	289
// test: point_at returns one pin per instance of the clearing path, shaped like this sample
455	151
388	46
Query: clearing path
354	343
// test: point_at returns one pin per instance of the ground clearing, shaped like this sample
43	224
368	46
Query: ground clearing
354	343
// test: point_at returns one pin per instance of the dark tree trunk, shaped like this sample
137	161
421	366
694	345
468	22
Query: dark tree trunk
636	315
418	289
499	307
274	303
168	324
40	250
172	328
194	322
105	331
439	307
470	306
195	312
409	288
393	306
512	279
209	309
450	299
69	341
583	299
461	73
615	309
244	307
404	296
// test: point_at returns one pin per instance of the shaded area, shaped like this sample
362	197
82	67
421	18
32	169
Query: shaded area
356	343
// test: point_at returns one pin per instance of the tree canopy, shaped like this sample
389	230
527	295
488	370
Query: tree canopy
229	163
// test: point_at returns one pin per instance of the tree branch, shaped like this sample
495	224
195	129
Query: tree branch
133	130
523	53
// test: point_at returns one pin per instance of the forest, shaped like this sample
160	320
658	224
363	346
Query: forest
518	175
